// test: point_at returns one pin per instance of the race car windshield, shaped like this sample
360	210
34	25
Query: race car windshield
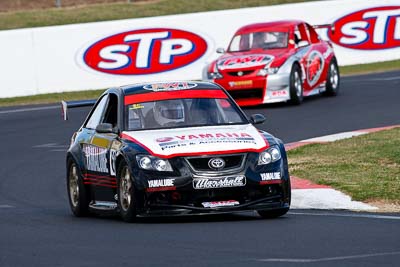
258	40
182	113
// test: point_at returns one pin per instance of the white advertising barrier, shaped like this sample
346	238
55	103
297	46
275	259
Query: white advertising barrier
104	54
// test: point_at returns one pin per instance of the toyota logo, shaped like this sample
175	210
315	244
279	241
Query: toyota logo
216	163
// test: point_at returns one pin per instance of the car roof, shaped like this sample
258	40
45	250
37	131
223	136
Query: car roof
141	88
283	25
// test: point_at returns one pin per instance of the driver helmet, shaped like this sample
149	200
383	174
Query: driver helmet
282	39
169	112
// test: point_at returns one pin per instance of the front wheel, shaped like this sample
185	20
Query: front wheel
296	85
332	79
270	214
126	196
77	193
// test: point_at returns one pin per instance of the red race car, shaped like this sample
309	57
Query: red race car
276	62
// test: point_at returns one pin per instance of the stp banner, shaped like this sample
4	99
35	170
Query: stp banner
178	47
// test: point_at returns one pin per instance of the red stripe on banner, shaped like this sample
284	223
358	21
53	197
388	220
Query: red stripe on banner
99	181
100	184
271	182
156	189
179	94
88	175
125	136
265	140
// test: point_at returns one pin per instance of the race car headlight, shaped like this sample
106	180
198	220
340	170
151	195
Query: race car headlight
270	155
214	74
267	71
152	163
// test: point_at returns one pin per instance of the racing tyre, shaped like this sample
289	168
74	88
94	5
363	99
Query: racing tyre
270	214
126	196
77	193
296	85
332	79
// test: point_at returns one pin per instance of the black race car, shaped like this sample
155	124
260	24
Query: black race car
174	148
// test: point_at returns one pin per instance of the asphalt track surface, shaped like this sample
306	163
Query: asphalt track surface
37	228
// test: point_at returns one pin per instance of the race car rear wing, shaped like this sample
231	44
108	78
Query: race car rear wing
329	26
75	104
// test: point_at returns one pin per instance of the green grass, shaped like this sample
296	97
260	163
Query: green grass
365	167
50	98
371	67
103	12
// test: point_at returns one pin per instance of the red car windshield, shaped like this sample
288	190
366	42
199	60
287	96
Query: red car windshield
258	40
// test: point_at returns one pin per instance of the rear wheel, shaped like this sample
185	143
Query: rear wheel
126	196
296	85
270	214
77	194
332	79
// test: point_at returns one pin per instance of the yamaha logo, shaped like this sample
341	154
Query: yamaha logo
216	164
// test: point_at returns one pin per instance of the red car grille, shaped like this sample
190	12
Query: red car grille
240	73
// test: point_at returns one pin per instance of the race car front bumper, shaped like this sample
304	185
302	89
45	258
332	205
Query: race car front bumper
255	90
181	196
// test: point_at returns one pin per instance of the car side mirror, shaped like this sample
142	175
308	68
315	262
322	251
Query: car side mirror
303	43
106	128
257	118
220	50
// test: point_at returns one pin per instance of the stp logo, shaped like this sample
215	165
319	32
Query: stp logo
373	28
145	51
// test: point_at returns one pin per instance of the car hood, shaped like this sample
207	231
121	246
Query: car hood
196	141
251	59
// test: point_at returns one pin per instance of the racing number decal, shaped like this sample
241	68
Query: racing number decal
113	157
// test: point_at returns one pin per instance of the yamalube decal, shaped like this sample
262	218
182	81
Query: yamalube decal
198	140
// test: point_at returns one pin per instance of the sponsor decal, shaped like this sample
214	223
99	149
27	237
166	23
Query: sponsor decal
172	86
245	61
113	157
167	143
315	65
279	93
160	185
270	176
136	106
228	181
95	158
224	203
368	29
241	84
145	51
